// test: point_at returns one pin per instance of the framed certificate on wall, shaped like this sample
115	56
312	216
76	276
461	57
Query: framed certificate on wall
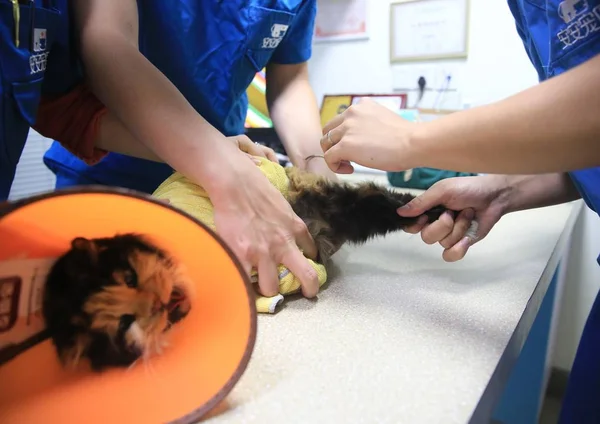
340	20
423	30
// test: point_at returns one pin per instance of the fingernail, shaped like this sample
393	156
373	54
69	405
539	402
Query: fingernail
449	214
405	207
466	241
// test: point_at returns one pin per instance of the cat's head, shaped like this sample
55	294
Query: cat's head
124	293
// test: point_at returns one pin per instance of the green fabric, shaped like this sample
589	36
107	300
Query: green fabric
422	178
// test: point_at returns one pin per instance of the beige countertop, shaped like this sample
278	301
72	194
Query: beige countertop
399	336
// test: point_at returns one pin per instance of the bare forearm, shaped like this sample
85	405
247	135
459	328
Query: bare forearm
294	111
153	109
552	127
147	104
535	191
114	137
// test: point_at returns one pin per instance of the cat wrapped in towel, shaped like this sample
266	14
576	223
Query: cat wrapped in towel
335	213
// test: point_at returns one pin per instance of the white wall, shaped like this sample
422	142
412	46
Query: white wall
359	67
582	281
32	175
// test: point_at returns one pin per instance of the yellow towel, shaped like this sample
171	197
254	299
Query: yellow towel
193	199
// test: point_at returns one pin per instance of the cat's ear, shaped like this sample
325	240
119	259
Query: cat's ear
90	247
81	243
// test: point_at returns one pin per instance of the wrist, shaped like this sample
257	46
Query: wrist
301	158
508	192
505	193
413	145
216	166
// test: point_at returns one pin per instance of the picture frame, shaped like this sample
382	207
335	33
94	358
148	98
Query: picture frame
333	105
424	30
341	20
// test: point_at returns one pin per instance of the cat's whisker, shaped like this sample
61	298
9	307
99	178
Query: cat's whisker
133	364
153	372
157	345
164	343
146	358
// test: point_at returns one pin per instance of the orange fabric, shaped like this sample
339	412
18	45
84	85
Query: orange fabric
208	350
73	120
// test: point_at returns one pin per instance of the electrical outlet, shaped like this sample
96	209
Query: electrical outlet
424	72
402	77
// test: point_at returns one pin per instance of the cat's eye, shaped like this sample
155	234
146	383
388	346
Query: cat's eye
130	278
125	322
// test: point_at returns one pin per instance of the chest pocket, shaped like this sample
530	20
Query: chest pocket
267	28
574	31
22	70
36	31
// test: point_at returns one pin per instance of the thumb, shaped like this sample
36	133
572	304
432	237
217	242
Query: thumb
336	160
422	203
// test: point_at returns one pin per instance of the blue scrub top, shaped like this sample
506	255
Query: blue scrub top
211	51
559	35
42	62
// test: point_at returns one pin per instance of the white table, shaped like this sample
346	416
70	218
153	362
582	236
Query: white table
400	336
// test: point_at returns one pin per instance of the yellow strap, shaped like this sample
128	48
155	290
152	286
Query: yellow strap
17	18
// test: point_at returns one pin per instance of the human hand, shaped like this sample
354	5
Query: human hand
480	199
259	225
368	134
318	166
253	149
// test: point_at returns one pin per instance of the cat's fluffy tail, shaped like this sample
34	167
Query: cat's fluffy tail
336	213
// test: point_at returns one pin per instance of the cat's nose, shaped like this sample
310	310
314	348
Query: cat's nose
157	306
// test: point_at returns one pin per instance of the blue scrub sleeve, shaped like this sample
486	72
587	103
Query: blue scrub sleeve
296	46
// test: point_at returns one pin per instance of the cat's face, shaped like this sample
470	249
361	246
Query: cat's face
132	293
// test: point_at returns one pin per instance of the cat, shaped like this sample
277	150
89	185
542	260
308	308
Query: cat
337	213
112	299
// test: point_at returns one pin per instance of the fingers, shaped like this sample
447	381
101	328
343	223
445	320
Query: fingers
246	265
417	227
301	268
304	240
253	158
270	153
434	196
456	236
460	228
336	164
330	139
268	278
243	142
254	149
334	153
458	251
438	230
334	122
334	158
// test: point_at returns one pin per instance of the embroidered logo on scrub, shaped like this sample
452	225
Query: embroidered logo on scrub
581	21
38	60
277	33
